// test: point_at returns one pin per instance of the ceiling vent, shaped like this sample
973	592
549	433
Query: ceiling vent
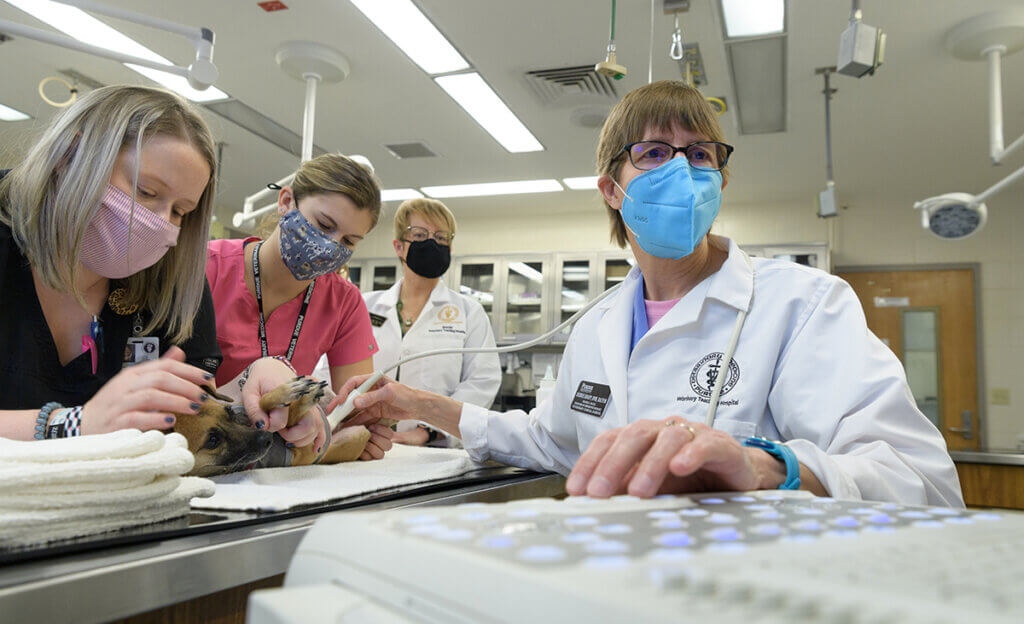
571	86
413	149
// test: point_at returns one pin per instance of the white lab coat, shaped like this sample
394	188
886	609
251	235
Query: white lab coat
448	320
807	371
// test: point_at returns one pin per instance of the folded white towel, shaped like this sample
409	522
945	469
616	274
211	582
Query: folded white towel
173	458
47	526
123	443
33	498
278	489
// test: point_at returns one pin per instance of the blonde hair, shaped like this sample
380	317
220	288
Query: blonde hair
429	209
51	197
659	106
332	173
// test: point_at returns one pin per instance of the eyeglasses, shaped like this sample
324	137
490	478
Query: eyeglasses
416	234
707	155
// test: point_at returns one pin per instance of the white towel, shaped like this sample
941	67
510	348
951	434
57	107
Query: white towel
35	499
278	489
123	443
173	459
24	528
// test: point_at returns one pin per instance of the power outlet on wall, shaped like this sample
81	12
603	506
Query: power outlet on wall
999	396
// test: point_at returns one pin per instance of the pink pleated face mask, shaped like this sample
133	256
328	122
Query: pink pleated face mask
105	248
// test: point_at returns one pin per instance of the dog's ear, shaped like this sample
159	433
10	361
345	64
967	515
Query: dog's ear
210	390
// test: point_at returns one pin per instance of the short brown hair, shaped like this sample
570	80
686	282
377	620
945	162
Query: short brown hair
659	105
429	209
333	173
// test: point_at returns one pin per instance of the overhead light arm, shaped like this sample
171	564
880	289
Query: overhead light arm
995	106
201	74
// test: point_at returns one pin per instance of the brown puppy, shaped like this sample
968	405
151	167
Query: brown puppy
223	440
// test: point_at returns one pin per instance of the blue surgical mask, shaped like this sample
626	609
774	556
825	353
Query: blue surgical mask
307	252
670	209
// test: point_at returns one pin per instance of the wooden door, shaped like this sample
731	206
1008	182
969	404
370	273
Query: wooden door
902	307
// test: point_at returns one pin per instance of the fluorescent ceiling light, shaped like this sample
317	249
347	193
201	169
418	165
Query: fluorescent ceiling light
80	25
585	183
749	18
526	271
484	105
9	114
403	23
400	194
493	188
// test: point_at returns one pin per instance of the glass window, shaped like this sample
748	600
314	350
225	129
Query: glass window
921	359
478	282
525	288
384	277
615	271
575	287
355	274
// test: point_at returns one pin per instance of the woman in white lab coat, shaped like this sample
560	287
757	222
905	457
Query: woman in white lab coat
419	313
809	398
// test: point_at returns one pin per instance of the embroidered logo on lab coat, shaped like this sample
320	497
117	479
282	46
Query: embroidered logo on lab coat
705	374
448	314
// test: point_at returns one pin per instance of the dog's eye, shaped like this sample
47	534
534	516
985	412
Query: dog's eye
213	440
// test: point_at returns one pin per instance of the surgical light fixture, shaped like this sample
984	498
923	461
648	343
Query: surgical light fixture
402	22
583	183
87	34
478	99
492	188
988	37
751	18
10	114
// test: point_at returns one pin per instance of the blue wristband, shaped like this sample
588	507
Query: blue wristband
784	454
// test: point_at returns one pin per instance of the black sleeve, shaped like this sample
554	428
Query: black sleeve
202	350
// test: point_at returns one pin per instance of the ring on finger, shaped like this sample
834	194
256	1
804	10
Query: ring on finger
683	424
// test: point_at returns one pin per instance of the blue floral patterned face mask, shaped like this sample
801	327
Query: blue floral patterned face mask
308	252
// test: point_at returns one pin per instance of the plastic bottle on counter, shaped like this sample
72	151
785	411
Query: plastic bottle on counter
546	387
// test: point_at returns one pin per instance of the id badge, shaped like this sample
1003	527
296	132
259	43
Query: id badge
141	349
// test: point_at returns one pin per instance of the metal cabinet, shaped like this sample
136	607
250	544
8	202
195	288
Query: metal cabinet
478	278
809	254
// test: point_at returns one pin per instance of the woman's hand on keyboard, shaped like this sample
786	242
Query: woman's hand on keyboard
651	457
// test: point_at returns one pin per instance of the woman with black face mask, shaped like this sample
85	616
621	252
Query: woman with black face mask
419	313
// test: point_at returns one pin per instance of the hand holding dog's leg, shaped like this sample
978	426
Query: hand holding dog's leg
265	375
379	442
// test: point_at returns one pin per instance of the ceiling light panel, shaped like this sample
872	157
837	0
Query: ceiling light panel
10	114
751	18
80	25
478	99
585	183
493	188
400	194
402	22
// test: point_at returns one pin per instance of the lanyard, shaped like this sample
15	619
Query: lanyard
259	300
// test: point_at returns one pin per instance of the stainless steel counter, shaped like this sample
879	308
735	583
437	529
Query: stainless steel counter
1006	458
125	580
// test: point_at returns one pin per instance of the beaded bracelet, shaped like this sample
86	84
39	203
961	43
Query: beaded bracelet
44	418
248	369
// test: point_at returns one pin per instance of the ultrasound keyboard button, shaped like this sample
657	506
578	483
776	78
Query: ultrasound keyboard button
846	521
880	518
808	525
669	554
694	512
614	529
670	524
497	542
528	512
770	530
578	521
712	501
722	518
606	547
724	534
673	539
662	513
475	516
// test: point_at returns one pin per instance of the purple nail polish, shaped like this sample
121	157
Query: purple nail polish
290	445
194	406
207	376
169	419
260	424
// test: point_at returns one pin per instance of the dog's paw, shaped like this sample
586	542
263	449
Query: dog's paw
300	388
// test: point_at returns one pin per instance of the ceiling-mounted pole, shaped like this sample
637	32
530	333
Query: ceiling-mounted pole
826	72
309	116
